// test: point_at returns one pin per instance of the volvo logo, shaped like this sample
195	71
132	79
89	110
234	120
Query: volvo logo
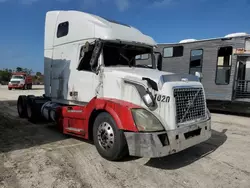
190	103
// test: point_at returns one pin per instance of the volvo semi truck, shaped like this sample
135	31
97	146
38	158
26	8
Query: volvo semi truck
95	89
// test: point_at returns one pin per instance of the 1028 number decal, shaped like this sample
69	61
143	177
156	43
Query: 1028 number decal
162	98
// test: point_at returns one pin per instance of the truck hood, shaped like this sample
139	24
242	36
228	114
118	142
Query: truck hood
160	77
153	74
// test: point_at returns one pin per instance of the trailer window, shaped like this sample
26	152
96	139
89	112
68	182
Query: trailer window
63	29
223	68
196	61
176	51
142	57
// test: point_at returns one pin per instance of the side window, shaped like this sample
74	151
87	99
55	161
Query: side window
223	68
84	60
196	61
168	52
138	57
176	51
62	29
142	57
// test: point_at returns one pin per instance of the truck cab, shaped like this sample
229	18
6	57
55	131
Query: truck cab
20	80
95	89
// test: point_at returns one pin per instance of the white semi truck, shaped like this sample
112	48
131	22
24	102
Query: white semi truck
95	89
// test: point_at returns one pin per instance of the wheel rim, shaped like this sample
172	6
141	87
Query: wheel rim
105	135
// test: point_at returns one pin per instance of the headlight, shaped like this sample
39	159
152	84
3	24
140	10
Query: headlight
146	121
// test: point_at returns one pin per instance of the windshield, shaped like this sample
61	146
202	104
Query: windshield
17	77
116	54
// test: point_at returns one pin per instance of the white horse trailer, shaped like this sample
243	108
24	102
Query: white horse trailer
224	63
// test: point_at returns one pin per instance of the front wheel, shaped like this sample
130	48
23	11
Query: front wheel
110	141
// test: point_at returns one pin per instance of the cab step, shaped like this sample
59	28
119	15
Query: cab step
75	130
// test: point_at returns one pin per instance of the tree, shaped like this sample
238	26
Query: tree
5	75
38	74
19	69
28	71
34	79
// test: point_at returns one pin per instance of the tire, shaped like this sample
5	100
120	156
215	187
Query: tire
31	110
22	106
10	88
30	96
115	147
24	87
30	86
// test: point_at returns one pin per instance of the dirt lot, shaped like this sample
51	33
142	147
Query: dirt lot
38	156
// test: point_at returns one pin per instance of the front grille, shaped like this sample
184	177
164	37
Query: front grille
190	104
15	82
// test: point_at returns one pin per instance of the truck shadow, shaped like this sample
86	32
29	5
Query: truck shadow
17	134
190	155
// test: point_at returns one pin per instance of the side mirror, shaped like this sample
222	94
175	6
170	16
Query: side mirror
199	75
95	54
87	47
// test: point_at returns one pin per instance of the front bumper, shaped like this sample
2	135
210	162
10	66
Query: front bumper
16	86
159	144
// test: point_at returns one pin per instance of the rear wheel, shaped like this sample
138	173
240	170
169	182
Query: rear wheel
32	112
22	106
30	86
110	141
24	87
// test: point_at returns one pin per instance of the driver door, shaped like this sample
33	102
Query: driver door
85	81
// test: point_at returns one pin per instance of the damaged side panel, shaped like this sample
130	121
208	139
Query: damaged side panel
71	83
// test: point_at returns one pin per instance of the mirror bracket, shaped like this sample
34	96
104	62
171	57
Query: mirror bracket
199	75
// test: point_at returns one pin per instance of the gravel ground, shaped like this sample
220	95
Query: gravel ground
39	156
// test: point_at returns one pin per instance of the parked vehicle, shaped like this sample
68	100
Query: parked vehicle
94	89
223	62
20	80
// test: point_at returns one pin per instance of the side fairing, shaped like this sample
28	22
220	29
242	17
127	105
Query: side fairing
48	55
64	83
